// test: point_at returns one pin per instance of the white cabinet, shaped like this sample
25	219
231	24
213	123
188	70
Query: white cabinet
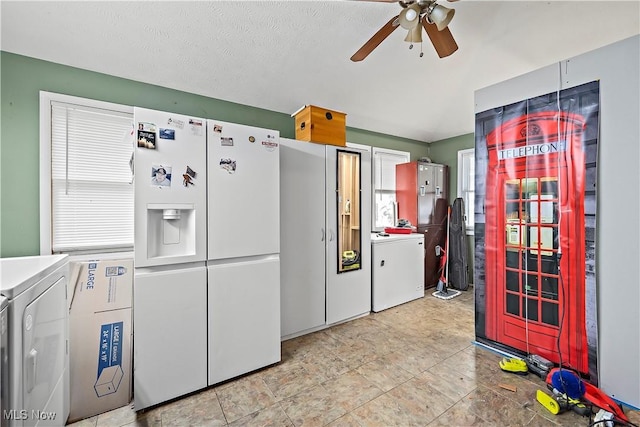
397	269
325	246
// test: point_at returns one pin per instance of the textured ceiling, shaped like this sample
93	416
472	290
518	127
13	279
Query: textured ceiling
280	55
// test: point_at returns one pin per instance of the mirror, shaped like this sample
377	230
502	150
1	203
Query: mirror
348	194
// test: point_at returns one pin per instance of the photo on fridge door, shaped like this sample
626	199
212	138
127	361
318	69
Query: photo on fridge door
160	176
535	223
147	135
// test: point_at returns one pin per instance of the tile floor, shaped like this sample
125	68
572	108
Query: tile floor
411	365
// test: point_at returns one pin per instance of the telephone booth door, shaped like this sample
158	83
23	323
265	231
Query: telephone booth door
535	247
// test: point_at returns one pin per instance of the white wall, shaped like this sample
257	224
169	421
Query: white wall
617	66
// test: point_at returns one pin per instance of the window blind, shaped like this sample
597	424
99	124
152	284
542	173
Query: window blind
91	179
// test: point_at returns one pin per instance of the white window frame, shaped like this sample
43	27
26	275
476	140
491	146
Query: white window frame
46	99
374	175
465	176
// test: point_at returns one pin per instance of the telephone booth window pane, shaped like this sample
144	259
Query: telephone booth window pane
516	233
531	285
512	259
531	310
550	288
512	191
550	313
513	301
550	265
529	187
512	281
542	238
548	186
512	211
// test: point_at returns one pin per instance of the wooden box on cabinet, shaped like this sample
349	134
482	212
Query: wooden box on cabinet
321	125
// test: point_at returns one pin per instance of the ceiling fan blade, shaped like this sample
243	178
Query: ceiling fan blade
442	41
377	38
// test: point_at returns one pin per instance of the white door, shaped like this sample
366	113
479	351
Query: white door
244	316
170	332
244	187
303	236
348	288
43	356
170	178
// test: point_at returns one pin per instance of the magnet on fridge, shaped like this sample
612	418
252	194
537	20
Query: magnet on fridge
167	134
270	145
160	176
187	177
226	142
196	126
228	164
217	128
175	122
147	127
146	139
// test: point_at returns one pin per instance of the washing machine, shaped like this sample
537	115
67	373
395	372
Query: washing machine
37	392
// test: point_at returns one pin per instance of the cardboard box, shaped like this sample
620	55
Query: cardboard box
100	336
321	125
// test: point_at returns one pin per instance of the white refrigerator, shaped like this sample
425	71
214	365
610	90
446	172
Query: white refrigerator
170	287
243	264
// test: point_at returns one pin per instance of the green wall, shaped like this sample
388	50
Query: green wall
446	152
22	78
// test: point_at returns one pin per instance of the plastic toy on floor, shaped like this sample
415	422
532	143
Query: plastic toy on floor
513	365
567	382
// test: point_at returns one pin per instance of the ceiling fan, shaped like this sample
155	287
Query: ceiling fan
415	15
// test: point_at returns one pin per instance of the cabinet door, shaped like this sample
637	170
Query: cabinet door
303	236
349	238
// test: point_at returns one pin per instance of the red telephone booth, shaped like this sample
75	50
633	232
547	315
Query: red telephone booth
535	250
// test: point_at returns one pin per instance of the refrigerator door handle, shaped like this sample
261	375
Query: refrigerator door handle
323	234
330	235
422	190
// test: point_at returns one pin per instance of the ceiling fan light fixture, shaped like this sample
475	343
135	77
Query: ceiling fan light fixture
409	18
440	15
414	35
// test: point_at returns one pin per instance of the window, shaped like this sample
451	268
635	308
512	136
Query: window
466	184
384	186
86	185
